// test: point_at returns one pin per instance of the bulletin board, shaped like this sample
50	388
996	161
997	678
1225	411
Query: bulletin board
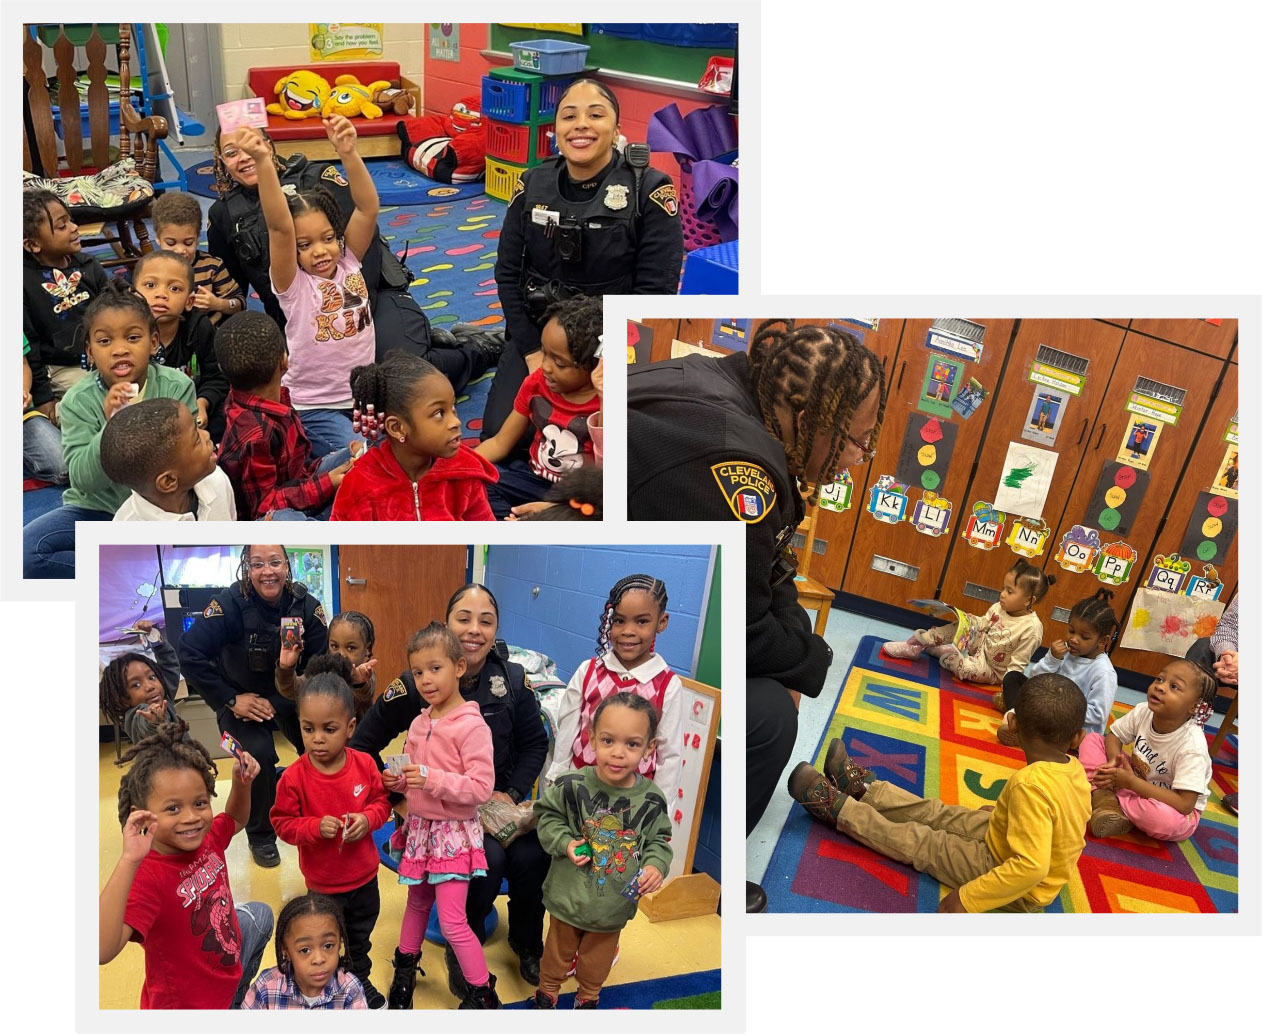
618	54
702	711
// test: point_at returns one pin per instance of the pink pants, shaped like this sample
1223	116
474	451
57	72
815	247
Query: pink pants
451	896
1156	818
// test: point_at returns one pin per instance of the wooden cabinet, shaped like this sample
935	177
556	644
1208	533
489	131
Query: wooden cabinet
1197	335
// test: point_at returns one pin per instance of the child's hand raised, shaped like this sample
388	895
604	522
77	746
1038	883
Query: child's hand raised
1059	649
252	143
136	835
361	673
651	880
289	656
571	849
330	826
342	134
245	770
155	712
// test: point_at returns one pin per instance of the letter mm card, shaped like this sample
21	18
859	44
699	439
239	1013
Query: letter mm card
984	529
748	489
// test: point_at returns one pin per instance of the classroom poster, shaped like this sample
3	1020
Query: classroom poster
1046	413
346	41
444	41
1211	529
1025	481
1166	622
1116	499
926	451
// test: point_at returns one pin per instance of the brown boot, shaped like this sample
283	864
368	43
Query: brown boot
841	770
815	793
1107	817
998	704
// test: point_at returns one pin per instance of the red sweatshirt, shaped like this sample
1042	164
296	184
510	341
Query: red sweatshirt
377	489
304	796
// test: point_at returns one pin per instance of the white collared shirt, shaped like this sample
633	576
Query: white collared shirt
215	502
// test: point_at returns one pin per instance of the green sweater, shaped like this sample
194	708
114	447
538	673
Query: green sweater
83	420
627	830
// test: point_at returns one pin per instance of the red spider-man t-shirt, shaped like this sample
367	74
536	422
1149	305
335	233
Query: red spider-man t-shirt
181	909
561	442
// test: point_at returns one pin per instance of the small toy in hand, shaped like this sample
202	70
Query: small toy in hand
583	850
632	890
291	633
230	744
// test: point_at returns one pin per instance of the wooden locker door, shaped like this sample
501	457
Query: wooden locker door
664	332
402	589
1207	455
1090	339
1170	364
1194	334
902	542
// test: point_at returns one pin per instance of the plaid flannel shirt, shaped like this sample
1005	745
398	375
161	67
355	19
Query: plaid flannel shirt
267	457
274	990
1227	635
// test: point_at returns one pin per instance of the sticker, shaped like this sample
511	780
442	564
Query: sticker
1168	572
969	398
747	488
1118	494
888	500
926	451
731	334
984	529
956	336
1113	563
837	496
1046	414
1028	537
1078	548
932	515
1054	377
1209	542
665	199
1153	409
395	690
1226	481
1207	586
1026	480
1138	442
943	378
333	176
213	610
616	196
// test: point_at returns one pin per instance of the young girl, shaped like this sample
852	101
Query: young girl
312	969
1081	656
1001	640
578	496
452	771
1163	786
622	820
556	399
138	691
169	890
327	802
422	472
315	272
351	639
634	616
121	338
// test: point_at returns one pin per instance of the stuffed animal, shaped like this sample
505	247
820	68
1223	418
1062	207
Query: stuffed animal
350	97
301	94
394	99
448	148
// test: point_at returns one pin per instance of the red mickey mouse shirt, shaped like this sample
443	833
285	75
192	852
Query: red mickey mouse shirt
180	907
561	442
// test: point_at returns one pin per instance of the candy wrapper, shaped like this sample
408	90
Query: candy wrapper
506	821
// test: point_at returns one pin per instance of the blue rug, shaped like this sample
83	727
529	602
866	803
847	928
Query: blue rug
646	994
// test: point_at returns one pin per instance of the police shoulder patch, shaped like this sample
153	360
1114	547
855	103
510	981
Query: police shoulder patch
395	690
518	189
213	610
330	173
666	199
319	614
748	489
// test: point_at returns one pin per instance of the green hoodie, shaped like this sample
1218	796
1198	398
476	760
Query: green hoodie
627	830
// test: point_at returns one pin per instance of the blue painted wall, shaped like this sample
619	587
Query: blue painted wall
574	583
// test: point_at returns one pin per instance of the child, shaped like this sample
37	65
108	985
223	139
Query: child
621	818
327	803
186	339
423	472
312	969
351	639
1163	786
1001	640
578	496
315	272
264	451
41	438
1016	857
57	285
634	616
169	890
121	337
177	226
155	449
452	771
138	691
1082	656
557	399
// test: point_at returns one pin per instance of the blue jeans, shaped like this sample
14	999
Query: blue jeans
327	429
256	922
41	451
48	541
327	463
518	484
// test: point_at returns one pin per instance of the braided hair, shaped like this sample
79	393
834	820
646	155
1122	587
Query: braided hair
436	633
390	386
309	904
117	294
318	199
329	683
821	375
162	750
578	496
361	622
1032	579
1205	682
1096	612
582	320
655	587
114	700
243	572
35	213
223	181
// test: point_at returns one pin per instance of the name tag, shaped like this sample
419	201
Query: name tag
544	217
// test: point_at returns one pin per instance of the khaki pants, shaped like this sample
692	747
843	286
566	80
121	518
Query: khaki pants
944	840
595	958
63	378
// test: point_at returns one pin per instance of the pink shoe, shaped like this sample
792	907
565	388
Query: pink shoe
907	650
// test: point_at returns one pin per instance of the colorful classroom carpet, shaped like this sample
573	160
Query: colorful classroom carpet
916	726
685	991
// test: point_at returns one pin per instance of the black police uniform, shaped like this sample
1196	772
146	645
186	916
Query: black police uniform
237	233
607	242
697	450
521	744
234	648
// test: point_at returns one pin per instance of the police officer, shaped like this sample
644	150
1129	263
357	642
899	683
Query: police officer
230	656
699	448
594	220
520	743
237	233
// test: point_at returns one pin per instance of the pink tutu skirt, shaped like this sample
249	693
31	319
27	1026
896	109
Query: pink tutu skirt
440	847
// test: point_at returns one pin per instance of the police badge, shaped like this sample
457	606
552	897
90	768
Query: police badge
616	197
498	687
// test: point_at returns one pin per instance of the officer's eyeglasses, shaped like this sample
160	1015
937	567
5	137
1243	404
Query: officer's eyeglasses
275	564
864	447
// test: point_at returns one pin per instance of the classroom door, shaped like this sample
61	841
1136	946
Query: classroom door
1198	335
402	589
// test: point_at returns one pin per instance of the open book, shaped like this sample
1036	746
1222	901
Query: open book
938	609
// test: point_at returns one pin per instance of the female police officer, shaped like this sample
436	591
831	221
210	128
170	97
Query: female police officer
594	221
744	436
520	743
230	655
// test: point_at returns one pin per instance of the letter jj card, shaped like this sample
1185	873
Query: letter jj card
291	633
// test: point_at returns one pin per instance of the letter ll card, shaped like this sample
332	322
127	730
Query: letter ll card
249	111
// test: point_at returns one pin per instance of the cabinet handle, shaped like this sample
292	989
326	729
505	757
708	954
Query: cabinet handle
1103	427
356	581
899	385
1082	432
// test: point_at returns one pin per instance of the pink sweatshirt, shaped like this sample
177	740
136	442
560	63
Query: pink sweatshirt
457	750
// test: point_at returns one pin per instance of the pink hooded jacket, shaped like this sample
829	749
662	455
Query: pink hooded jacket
457	750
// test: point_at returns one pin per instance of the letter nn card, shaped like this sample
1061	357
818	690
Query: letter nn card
291	633
230	744
249	111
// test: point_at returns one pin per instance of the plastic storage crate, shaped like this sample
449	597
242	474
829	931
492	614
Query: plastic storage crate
549	56
711	270
502	177
522	143
515	96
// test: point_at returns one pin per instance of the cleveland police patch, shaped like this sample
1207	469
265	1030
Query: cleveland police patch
213	610
748	489
518	189
395	690
319	614
332	175
665	199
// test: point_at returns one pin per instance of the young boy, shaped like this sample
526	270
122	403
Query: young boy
57	284
1014	858
177	227
264	451
155	449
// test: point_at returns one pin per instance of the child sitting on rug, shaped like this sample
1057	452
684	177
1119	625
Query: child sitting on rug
1014	858
312	968
1001	640
177	227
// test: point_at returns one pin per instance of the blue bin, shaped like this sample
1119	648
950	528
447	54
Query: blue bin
712	270
83	121
504	100
549	56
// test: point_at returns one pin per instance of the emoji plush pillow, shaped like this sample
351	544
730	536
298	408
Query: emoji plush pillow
301	94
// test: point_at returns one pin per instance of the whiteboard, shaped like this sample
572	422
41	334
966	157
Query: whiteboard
702	705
